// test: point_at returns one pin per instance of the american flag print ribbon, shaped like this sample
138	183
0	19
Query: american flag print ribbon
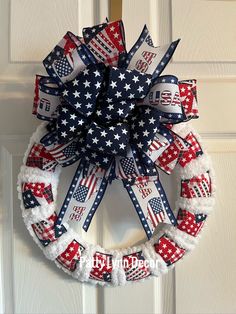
69	57
198	186
146	58
190	223
150	202
46	98
188	96
71	256
165	97
40	158
86	188
106	41
112	112
46	231
169	158
192	152
135	267
102	267
169	250
36	194
83	197
63	153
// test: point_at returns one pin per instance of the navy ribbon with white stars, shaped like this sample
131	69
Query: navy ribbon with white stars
112	111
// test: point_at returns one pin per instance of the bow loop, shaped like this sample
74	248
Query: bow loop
148	59
69	58
144	126
107	42
82	92
127	85
115	111
70	123
165	97
112	140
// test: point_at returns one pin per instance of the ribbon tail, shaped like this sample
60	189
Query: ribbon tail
103	179
83	197
150	202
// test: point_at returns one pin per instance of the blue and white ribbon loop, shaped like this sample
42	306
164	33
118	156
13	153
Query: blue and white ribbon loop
46	98
165	97
99	138
146	58
82	92
69	58
112	112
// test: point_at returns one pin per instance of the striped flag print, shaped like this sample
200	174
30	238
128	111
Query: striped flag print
127	168
199	186
156	211
45	230
156	145
40	158
64	154
63	151
87	186
106	42
135	267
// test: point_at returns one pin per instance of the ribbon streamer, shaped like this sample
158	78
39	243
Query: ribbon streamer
112	112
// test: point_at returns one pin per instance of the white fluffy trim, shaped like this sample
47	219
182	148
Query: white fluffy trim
37	214
181	238
196	205
86	264
156	263
118	276
196	167
29	174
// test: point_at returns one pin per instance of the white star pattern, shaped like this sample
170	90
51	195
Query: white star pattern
76	94
87	84
108	143
88	95
135	79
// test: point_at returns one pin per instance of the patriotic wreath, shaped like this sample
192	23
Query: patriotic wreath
113	114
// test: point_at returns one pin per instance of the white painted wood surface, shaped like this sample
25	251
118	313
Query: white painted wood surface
205	281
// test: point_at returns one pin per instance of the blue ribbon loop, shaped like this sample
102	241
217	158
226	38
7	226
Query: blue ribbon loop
113	112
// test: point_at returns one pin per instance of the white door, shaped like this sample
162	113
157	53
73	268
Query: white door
204	282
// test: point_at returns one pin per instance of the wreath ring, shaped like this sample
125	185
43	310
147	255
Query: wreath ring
156	264
112	112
